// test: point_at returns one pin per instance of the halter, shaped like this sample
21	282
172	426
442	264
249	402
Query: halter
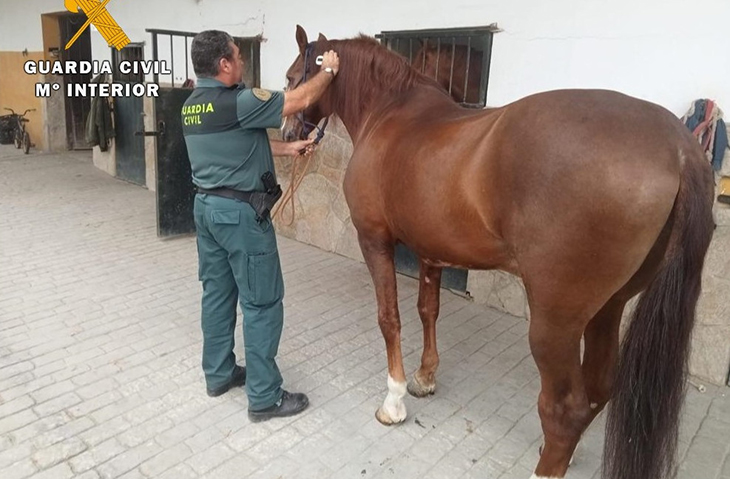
307	126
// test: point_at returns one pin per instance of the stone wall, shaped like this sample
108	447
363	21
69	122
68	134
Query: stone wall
322	219
54	117
711	340
321	216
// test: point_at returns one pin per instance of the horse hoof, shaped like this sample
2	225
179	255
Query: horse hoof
385	419
416	389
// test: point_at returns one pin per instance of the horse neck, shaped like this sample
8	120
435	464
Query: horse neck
357	91
342	99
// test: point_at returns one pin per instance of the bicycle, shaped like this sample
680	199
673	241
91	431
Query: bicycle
21	138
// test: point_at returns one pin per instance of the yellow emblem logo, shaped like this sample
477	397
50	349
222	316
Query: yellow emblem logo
262	95
97	14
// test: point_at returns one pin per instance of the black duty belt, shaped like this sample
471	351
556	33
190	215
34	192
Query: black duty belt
262	202
244	196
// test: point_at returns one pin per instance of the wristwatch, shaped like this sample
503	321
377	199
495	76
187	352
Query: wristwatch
329	70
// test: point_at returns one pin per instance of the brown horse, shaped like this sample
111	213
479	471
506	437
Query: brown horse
450	65
590	197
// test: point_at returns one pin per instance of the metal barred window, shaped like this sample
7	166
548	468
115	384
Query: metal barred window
133	52
250	48
174	47
458	58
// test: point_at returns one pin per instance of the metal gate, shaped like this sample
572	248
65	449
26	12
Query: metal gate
175	189
129	120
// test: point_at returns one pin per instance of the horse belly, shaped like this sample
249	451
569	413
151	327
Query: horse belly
460	240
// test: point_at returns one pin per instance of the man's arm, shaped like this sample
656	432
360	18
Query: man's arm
290	148
305	95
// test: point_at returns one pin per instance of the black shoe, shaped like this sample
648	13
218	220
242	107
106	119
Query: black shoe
289	405
238	379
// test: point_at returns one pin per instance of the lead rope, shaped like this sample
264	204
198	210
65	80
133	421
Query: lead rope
297	175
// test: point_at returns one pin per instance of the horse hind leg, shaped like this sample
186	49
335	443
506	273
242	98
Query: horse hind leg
424	380
600	358
563	404
379	254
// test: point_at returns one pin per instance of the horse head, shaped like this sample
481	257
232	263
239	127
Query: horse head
304	67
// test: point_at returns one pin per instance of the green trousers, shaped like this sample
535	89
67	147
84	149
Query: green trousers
239	261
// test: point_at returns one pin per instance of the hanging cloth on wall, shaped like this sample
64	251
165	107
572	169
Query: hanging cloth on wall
99	126
704	119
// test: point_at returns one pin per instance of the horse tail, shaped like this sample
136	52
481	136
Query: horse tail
643	416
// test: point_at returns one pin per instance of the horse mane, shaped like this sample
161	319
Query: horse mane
375	70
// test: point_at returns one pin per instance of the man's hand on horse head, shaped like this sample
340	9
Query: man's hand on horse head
330	59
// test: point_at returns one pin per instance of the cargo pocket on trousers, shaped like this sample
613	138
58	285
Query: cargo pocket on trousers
264	278
226	217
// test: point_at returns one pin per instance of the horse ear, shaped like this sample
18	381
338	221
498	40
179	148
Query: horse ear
301	39
322	38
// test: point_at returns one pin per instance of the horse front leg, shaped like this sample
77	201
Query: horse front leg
378	254
424	381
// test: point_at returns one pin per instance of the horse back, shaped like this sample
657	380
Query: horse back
551	172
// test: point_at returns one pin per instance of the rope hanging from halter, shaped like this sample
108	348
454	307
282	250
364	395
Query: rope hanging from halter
297	175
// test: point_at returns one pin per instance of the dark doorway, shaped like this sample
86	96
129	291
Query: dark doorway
77	109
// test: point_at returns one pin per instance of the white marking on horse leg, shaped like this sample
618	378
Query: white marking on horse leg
393	405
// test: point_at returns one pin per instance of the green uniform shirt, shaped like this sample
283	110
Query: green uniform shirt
225	132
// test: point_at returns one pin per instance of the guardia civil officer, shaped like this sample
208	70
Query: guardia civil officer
231	156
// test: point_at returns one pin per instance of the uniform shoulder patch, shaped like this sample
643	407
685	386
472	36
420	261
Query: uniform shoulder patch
262	95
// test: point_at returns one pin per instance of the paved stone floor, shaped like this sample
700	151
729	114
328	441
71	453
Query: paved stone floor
100	353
